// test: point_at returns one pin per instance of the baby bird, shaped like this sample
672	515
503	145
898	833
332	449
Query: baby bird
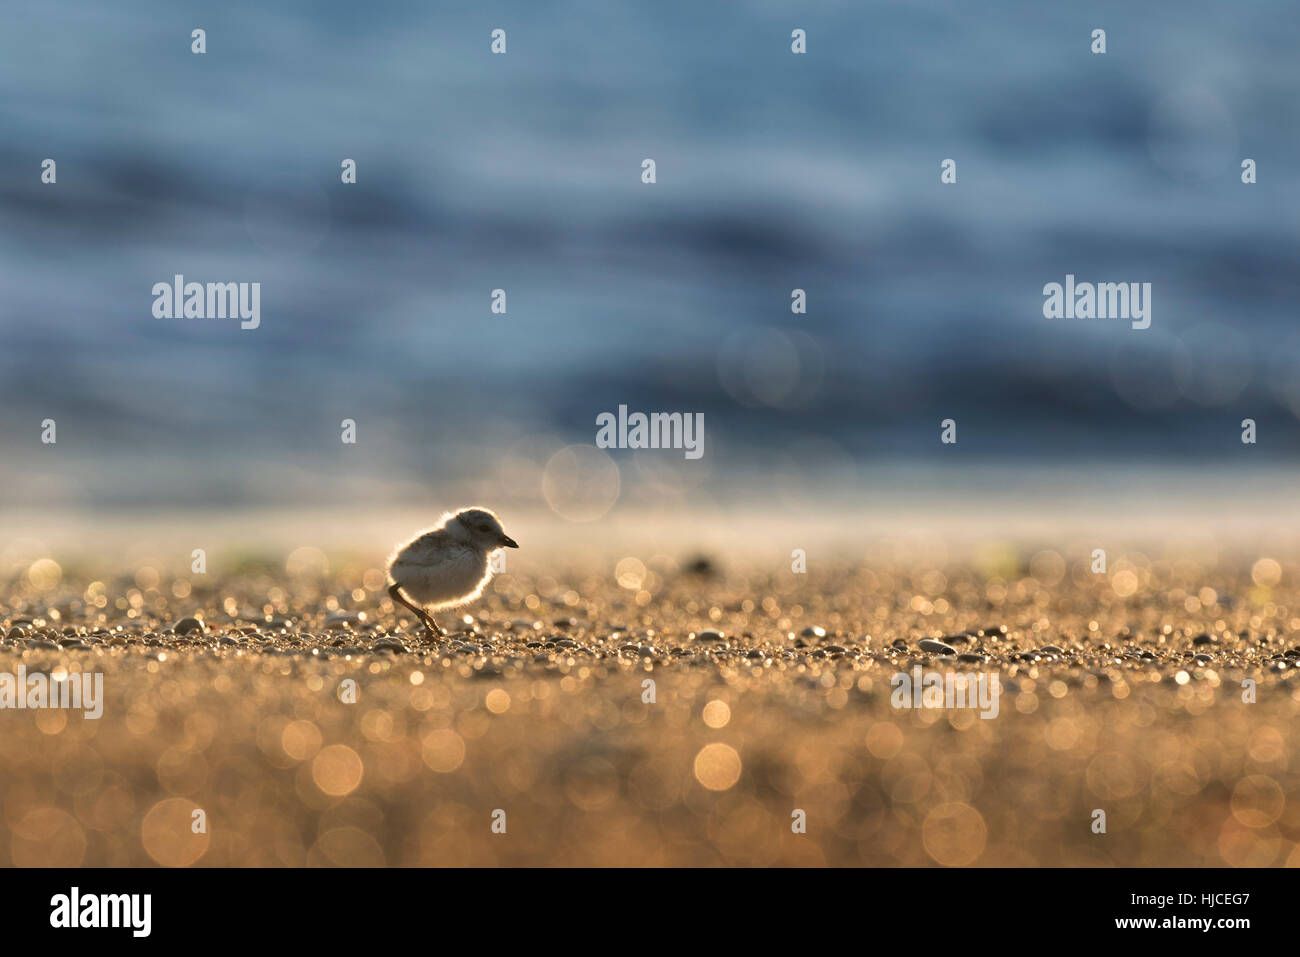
446	565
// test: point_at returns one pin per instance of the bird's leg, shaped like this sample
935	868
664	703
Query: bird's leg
434	630
395	593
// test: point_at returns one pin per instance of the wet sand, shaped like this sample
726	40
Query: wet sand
1120	692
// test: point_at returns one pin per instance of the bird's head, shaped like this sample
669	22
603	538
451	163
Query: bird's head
480	527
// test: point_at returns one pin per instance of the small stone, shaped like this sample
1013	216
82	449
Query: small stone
971	658
710	635
187	625
1051	650
755	653
835	649
813	631
1202	659
387	644
936	647
566	643
701	565
1205	640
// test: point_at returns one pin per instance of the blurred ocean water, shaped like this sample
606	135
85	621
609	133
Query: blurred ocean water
522	172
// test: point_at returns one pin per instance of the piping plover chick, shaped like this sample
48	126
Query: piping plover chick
448	564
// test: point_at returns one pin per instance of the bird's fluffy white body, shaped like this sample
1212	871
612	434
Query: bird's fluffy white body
439	571
447	565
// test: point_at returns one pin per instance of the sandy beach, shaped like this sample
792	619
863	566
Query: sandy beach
661	711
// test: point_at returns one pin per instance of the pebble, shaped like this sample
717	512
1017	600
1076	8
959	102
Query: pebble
566	643
971	658
1202	659
936	647
1051	650
710	635
1204	640
387	644
836	649
701	565
187	625
814	631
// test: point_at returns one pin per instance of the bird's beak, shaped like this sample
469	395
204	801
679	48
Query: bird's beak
508	542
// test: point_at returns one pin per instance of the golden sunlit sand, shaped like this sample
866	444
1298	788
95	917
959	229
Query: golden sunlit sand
1120	692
